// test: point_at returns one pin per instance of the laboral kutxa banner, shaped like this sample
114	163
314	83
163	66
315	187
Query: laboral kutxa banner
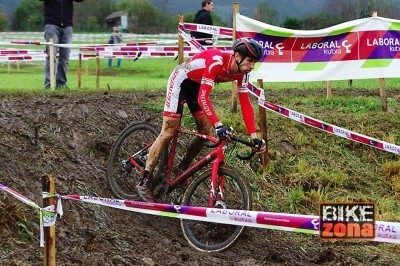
358	49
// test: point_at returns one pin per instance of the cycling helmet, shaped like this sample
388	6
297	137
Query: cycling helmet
248	47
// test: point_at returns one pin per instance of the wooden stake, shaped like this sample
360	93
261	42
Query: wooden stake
382	91
263	128
49	257
52	67
329	89
383	95
97	71
87	66
180	43
80	71
234	84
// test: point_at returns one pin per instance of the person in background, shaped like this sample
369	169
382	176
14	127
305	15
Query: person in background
115	38
203	16
58	23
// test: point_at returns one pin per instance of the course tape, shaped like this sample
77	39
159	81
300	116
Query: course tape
388	232
47	216
332	129
385	231
210	29
307	120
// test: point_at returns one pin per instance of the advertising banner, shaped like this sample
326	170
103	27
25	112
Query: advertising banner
358	49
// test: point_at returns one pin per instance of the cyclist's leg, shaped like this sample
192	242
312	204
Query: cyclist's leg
170	124
171	120
191	93
196	144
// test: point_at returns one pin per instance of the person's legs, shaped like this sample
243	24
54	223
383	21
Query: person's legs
62	66
119	62
196	144
109	62
170	124
50	31
190	90
173	109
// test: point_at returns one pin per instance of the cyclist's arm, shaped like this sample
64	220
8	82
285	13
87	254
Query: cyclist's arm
246	106
207	83
247	111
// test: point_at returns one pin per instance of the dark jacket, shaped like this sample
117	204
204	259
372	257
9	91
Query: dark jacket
202	17
59	12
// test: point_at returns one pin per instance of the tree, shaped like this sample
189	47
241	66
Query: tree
293	23
28	16
90	14
3	21
146	18
266	14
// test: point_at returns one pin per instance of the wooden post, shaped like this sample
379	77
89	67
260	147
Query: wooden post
52	67
234	84
87	66
382	91
80	71
383	95
49	257
263	128
97	71
180	44
329	89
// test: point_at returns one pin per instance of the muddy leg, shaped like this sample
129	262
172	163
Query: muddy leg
167	133
196	144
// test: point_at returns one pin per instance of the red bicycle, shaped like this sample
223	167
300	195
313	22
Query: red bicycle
220	186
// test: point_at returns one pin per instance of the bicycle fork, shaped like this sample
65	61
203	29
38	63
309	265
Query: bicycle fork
217	186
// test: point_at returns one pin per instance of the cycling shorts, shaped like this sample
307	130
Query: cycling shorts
181	89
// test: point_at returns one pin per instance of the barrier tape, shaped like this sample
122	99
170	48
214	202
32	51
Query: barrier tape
326	127
210	29
47	216
310	121
388	232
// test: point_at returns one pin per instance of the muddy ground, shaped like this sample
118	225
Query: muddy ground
69	136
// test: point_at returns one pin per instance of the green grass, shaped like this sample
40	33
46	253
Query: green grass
142	74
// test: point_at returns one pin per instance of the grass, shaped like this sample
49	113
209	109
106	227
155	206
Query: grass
307	166
142	74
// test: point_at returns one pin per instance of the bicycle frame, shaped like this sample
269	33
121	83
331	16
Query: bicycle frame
216	156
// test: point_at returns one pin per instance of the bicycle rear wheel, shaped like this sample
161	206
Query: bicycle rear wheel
122	176
207	236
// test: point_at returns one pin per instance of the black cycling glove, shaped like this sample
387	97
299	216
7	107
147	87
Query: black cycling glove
259	143
223	131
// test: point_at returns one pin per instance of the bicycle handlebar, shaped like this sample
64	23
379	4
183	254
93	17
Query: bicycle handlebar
237	139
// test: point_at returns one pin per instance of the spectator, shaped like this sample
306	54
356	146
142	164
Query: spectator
58	25
203	16
115	38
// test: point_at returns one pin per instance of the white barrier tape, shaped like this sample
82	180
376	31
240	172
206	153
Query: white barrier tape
210	29
385	231
47	215
332	129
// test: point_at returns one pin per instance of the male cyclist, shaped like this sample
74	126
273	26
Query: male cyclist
192	82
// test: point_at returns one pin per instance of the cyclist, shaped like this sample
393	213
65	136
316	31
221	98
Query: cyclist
192	82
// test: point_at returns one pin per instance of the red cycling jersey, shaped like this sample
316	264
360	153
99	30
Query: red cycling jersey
207	68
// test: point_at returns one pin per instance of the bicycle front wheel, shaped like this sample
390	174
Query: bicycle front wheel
207	236
122	176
